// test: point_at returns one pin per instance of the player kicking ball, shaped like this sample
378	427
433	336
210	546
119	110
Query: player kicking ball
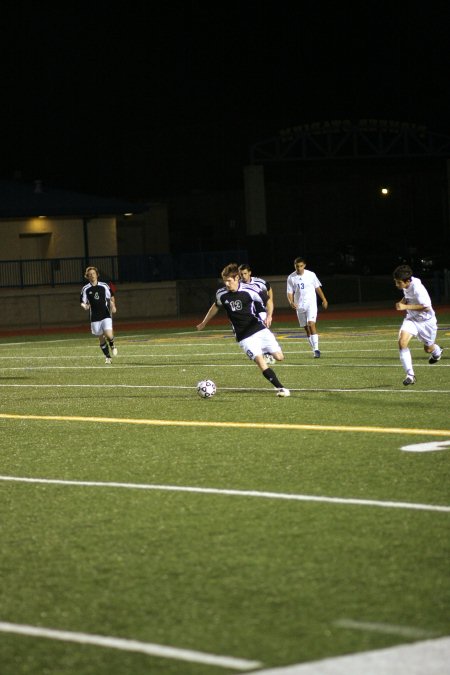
242	305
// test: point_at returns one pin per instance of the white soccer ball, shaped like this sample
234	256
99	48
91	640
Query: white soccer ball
206	388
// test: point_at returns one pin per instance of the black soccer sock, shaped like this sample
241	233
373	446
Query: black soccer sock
111	342
273	379
105	349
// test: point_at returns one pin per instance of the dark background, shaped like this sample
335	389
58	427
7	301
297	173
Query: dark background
159	100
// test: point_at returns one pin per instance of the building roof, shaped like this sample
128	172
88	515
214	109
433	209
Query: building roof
30	200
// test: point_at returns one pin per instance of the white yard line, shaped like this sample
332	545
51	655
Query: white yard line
119	363
233	493
430	657
233	351
385	628
311	390
170	355
148	648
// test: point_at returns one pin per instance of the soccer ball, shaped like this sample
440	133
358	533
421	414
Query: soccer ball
206	388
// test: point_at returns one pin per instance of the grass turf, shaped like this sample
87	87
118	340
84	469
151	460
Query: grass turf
237	575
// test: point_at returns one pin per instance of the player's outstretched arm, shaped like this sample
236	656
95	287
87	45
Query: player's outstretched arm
212	311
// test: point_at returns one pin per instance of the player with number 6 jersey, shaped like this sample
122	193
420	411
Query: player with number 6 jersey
98	299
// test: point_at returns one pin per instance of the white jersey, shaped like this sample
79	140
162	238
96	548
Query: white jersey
303	286
261	286
417	294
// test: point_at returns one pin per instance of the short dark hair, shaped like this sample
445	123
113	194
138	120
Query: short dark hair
299	259
403	273
245	266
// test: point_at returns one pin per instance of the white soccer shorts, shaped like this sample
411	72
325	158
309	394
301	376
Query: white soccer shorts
262	342
424	331
306	314
99	327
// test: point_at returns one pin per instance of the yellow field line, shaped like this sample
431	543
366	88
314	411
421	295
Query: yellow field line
229	425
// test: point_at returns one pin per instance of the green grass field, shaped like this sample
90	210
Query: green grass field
166	534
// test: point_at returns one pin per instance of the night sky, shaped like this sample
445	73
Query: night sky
154	98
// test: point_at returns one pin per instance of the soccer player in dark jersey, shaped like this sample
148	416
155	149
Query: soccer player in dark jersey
98	298
264	289
242	305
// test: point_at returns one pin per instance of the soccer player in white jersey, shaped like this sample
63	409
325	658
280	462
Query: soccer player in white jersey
420	320
98	298
243	305
303	287
264	289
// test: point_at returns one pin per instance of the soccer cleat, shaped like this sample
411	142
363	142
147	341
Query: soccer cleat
108	361
283	392
316	354
435	359
114	351
268	358
409	379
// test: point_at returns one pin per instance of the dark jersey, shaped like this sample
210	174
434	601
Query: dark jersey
242	307
97	297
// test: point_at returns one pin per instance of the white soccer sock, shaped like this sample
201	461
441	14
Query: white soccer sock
406	361
437	351
315	341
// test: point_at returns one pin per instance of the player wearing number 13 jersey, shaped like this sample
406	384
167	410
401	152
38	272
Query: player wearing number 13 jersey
303	286
242	305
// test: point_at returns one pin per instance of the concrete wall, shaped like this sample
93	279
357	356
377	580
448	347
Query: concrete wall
42	238
43	307
36	238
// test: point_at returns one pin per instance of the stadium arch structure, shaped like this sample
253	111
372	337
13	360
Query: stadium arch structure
323	188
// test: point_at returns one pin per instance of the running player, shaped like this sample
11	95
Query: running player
97	297
420	320
242	305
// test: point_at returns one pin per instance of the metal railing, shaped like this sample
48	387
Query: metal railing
195	271
123	269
